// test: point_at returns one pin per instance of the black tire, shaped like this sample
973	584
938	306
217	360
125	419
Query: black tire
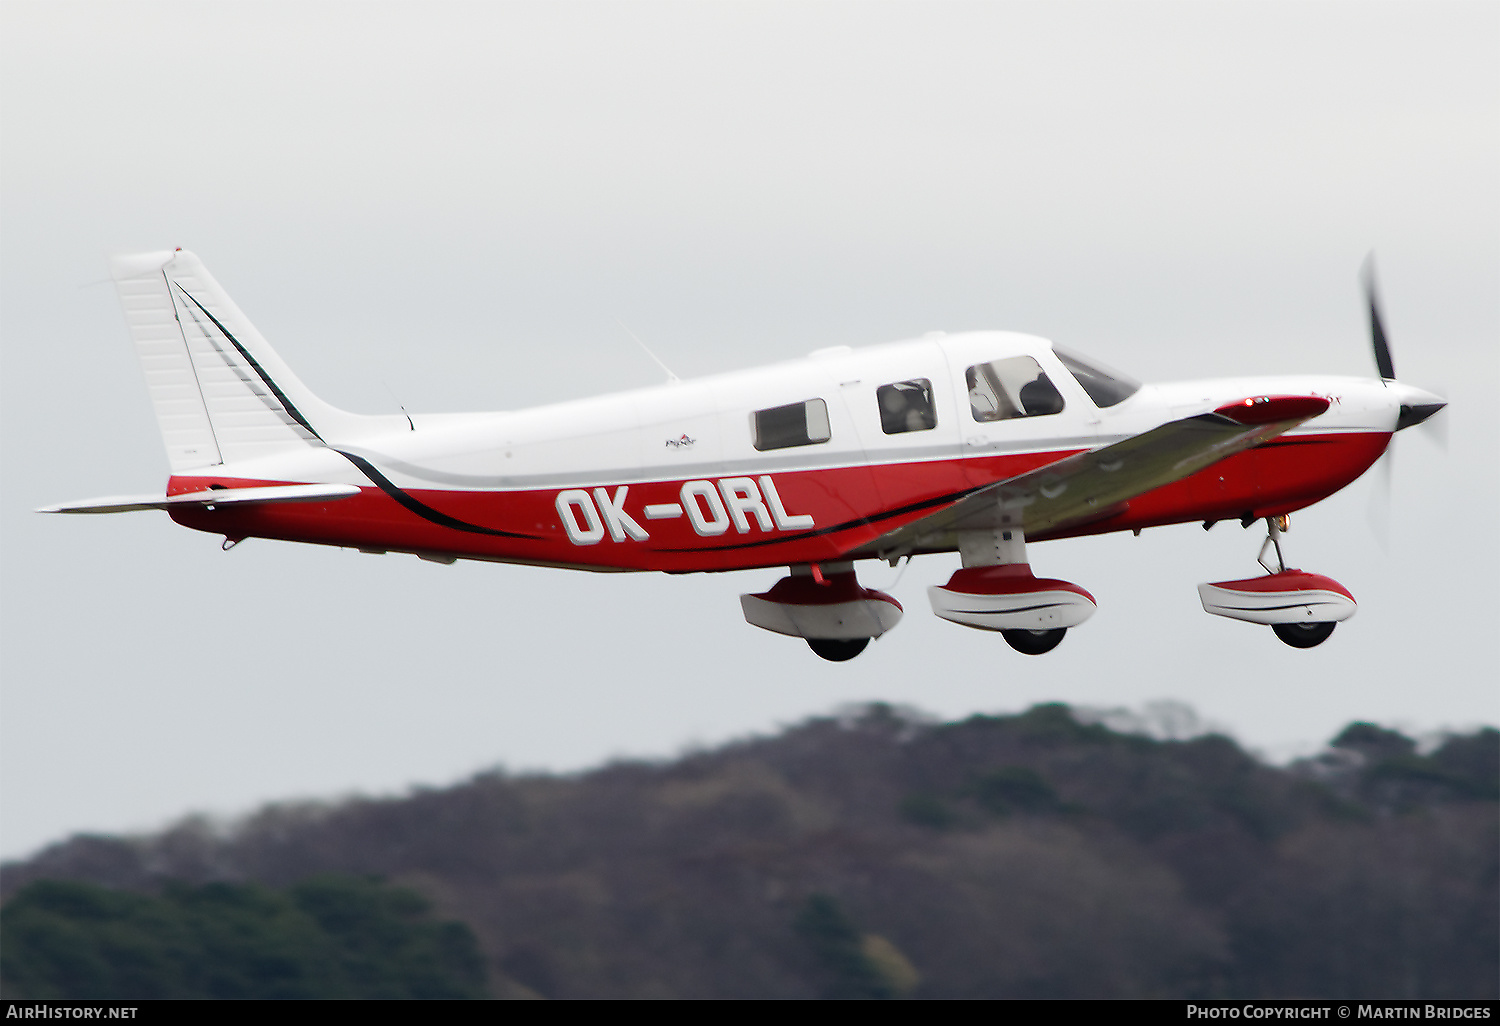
1304	635
1034	642
837	650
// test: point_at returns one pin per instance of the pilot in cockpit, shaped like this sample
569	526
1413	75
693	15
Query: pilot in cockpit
1040	397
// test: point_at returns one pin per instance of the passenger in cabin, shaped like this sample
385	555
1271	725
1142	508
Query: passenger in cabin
892	410
906	406
1041	397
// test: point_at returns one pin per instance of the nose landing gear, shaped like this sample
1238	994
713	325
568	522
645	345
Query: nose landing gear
1302	608
1304	635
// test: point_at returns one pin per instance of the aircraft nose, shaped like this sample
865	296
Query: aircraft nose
1416	405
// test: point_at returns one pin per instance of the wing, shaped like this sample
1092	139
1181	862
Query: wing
1092	485
211	497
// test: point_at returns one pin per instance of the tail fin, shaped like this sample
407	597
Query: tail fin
220	392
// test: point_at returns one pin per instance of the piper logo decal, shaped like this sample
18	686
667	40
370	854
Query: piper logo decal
710	506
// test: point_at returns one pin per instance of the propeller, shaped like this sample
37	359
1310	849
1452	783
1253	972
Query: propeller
1378	508
1416	407
1377	326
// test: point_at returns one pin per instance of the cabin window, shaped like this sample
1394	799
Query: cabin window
783	427
906	406
1104	385
1011	388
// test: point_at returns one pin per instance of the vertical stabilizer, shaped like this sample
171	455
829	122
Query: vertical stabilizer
221	394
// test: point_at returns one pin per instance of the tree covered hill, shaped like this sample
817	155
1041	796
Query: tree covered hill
879	855
327	937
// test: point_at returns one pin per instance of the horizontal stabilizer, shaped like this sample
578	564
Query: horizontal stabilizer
211	497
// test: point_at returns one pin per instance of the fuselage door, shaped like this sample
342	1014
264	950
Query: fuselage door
1016	402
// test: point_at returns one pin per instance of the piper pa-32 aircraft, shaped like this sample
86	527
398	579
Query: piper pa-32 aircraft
977	443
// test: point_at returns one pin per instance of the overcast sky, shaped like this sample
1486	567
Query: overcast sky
450	205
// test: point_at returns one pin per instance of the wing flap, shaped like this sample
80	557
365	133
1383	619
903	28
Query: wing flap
1092	485
210	497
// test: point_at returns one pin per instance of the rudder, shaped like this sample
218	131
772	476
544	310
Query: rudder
220	392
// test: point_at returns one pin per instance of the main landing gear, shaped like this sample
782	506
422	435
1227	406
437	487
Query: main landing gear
1034	642
836	650
825	606
1302	608
996	591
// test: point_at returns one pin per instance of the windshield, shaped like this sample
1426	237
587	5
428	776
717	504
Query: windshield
1104	385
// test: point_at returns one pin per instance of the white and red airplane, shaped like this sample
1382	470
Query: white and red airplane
976	443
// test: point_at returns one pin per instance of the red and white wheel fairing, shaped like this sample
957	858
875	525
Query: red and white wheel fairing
1010	597
1291	596
836	609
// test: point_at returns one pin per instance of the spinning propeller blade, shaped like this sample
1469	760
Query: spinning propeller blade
1378	508
1377	327
1416	407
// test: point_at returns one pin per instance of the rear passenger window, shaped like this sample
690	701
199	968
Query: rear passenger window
906	406
782	427
1005	389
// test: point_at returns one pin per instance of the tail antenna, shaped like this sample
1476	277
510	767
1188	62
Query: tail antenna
672	379
399	404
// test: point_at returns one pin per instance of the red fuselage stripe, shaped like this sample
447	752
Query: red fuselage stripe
850	507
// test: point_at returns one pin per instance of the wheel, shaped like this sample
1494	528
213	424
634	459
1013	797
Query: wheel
837	650
1034	642
1304	635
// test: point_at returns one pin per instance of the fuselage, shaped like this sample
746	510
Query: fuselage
794	463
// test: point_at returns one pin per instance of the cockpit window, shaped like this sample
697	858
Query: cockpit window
1104	385
906	406
1016	387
